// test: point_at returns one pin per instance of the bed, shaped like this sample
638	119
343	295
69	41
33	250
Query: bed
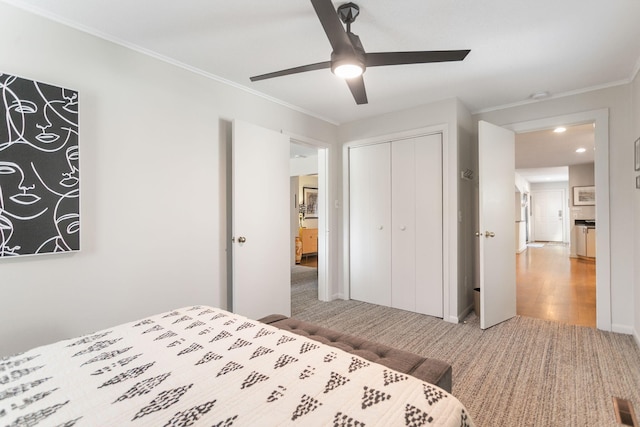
204	366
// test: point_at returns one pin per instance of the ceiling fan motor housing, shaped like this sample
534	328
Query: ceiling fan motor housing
355	55
347	58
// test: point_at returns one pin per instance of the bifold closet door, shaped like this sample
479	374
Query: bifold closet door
416	176
370	223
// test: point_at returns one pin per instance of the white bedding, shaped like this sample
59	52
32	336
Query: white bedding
204	366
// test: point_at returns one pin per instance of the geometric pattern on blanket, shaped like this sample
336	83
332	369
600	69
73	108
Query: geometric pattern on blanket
204	366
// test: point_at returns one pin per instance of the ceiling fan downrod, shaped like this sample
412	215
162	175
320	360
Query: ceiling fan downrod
348	13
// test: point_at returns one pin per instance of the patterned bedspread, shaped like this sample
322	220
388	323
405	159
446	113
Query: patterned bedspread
204	366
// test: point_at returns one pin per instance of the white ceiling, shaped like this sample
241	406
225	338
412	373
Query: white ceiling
517	47
544	156
301	151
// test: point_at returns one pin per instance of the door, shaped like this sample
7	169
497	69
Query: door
261	276
496	218
370	223
548	216
417	252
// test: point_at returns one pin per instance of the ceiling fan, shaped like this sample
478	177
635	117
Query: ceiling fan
349	59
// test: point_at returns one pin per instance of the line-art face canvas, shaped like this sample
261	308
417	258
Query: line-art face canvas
39	168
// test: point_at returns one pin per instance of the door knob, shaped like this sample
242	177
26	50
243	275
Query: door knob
489	234
241	239
404	227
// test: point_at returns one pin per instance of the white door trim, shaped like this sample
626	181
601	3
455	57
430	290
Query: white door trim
449	217
603	243
327	218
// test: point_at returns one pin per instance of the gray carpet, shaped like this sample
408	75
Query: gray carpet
523	372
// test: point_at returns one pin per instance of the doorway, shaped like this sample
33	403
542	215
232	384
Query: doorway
308	221
553	282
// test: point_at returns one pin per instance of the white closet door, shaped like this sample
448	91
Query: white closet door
403	214
417	275
429	232
370	223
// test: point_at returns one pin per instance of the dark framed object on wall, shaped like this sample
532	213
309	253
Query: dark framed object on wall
39	168
310	197
584	196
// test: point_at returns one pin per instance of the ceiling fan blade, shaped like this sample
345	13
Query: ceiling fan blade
417	57
332	26
356	85
295	70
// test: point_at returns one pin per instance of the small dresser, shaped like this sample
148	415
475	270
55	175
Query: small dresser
309	238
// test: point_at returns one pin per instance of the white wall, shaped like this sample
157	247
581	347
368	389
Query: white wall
303	166
582	176
153	149
618	100
635	114
522	184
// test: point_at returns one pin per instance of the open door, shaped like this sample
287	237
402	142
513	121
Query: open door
496	233
261	276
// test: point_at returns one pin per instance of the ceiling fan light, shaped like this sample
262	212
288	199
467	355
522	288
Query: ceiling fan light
348	70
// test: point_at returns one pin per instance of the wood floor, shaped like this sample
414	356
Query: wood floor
552	286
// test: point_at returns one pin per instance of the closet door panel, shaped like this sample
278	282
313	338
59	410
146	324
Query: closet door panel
429	231
370	223
403	234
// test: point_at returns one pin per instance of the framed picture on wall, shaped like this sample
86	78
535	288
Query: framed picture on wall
636	154
39	168
310	197
584	196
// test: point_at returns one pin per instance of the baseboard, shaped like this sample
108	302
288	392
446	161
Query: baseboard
461	316
637	337
622	329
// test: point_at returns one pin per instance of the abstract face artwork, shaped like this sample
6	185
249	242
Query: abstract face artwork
39	168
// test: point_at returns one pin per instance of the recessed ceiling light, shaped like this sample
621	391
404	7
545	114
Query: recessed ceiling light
581	150
540	95
559	129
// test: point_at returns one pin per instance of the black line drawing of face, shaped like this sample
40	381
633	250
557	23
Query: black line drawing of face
58	172
6	231
58	125
40	115
68	223
16	191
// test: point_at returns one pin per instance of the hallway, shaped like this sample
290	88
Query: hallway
552	286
